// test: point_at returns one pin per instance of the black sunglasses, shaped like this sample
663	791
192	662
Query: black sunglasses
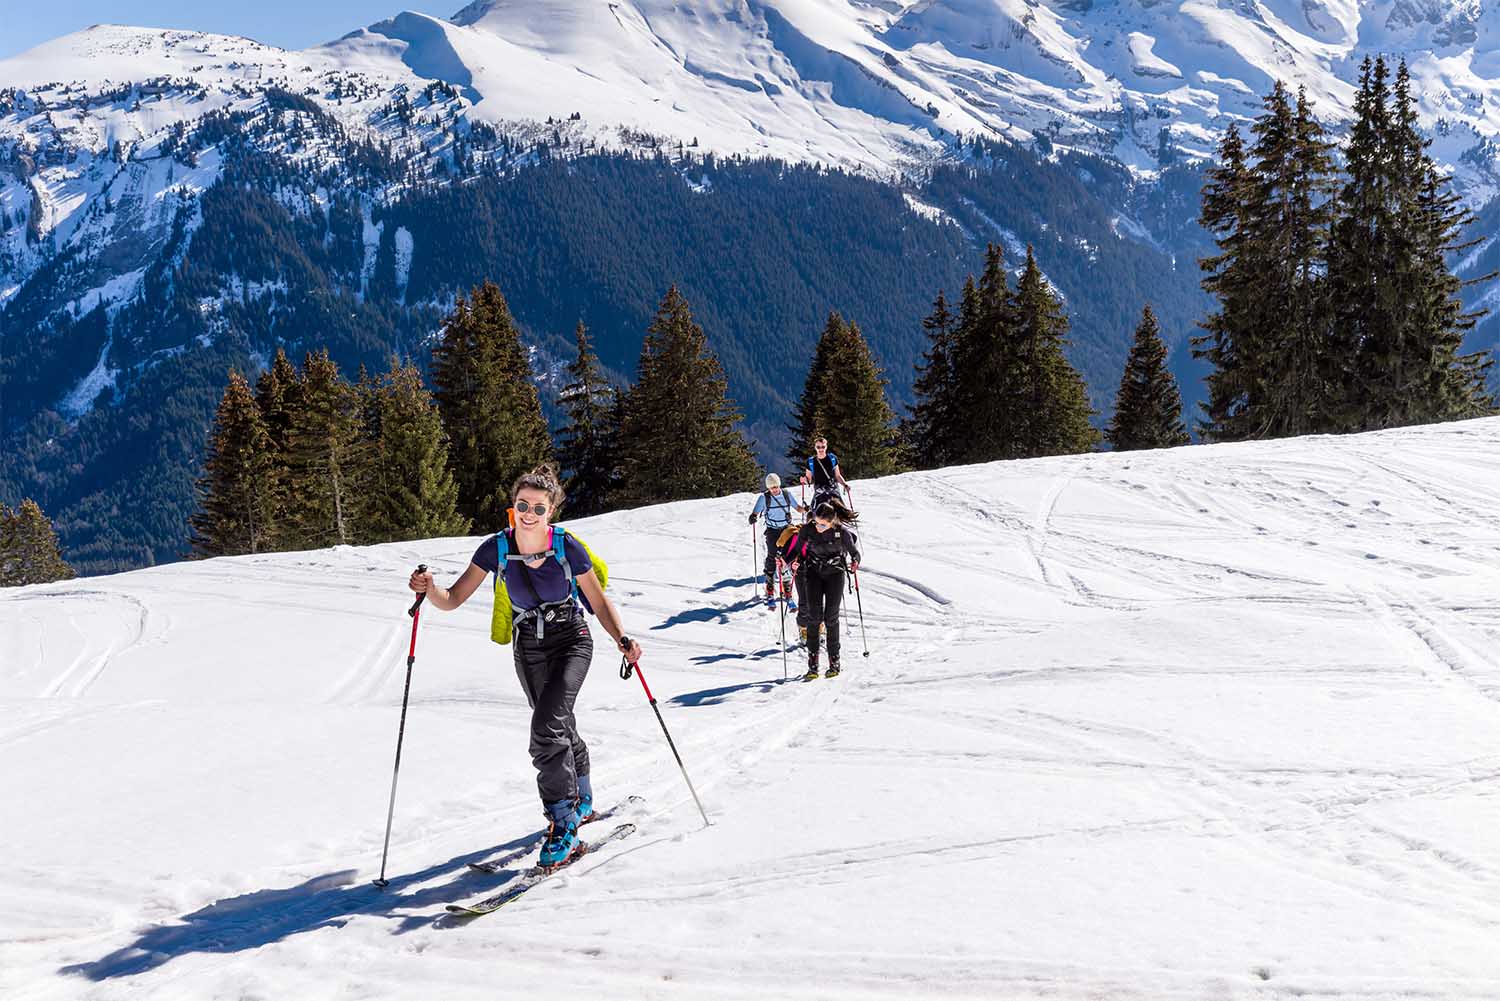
540	510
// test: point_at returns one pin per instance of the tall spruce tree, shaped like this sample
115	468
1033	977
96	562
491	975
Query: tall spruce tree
412	494
1228	277
488	400
851	408
678	432
329	460
278	395
1398	320
239	491
1361	302
1292	181
1148	407
1270	213
808	414
586	444
1055	420
29	553
989	375
932	433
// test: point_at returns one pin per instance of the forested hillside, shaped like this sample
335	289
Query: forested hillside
108	408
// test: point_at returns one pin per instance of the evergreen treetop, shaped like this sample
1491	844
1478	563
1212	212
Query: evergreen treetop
239	491
488	400
586	443
1148	407
29	553
678	432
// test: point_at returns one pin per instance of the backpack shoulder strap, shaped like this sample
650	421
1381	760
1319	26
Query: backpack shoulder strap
560	551
504	543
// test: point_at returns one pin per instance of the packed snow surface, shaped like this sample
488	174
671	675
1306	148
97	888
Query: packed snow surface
1216	722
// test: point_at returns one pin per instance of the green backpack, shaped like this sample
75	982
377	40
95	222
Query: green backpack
503	623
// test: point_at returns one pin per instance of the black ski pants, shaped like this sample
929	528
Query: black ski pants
772	534
551	671
822	595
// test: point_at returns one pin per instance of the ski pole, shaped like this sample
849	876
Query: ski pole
626	667
754	567
780	582
415	611
860	602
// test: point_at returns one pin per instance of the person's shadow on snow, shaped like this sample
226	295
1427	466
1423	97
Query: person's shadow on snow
255	919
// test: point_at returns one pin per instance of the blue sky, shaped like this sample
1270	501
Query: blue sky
288	23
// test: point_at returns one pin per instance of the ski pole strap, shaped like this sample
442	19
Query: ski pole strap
626	667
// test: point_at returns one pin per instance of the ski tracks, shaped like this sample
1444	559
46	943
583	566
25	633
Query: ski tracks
101	637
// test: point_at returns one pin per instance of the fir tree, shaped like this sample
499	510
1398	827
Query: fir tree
29	553
278	395
1270	214
989	377
808	413
239	489
1228	277
1148	408
586	444
1056	421
932	435
852	404
412	494
678	433
1398	320
489	403
1361	303
329	459
1292	180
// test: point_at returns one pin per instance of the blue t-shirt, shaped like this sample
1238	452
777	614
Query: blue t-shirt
533	586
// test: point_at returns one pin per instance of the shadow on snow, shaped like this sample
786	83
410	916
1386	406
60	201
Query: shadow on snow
713	696
713	613
259	918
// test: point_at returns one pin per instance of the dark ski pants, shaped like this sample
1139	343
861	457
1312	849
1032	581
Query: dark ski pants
822	596
772	534
551	672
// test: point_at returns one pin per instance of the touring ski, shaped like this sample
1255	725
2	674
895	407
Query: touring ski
494	865
534	876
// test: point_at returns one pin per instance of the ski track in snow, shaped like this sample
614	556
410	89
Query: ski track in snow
1215	722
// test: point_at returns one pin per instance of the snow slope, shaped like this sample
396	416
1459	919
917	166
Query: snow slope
1217	722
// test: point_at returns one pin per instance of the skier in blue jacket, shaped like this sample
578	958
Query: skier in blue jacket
777	506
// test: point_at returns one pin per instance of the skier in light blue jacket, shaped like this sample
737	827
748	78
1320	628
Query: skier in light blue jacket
777	505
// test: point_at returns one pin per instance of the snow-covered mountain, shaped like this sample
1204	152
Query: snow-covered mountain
879	86
360	153
1214	722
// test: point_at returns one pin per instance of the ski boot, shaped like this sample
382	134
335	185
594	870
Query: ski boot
585	811
802	634
833	668
812	669
562	844
787	594
770	591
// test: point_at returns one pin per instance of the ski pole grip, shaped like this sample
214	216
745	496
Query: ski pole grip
412	611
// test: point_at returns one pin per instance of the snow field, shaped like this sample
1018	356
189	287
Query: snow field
1215	722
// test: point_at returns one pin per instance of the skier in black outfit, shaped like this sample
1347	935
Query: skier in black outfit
824	474
823	551
553	647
